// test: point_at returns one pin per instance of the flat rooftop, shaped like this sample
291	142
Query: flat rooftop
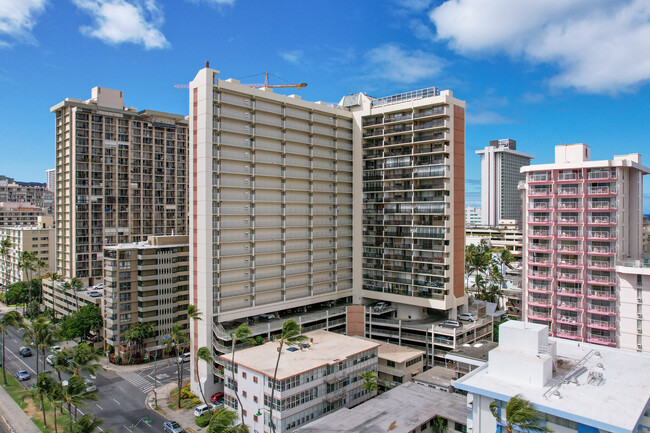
614	403
437	375
393	352
404	408
327	348
472	352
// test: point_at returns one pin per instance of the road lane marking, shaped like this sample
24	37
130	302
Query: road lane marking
21	361
117	402
100	429
100	408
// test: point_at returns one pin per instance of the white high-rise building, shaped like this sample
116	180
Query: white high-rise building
51	179
500	174
473	215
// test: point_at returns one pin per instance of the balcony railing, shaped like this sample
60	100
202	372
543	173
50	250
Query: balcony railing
569	191
568	276
538	178
601	190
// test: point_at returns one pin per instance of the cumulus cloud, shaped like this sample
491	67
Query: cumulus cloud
394	63
17	18
598	46
293	56
120	21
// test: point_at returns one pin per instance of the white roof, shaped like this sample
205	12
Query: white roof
615	404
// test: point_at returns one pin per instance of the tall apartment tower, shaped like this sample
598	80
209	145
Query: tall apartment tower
409	207
121	176
271	225
500	174
50	176
581	216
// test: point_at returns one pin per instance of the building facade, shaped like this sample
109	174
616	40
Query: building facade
51	180
633	304
397	364
500	175
573	386
580	217
472	215
409	174
27	194
145	282
271	232
121	175
38	238
20	214
320	377
64	301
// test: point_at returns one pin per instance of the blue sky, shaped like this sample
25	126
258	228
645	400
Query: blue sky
542	72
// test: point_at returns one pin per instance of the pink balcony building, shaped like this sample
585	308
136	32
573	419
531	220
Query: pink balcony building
580	217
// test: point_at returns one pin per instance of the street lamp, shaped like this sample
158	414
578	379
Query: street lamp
146	420
155	394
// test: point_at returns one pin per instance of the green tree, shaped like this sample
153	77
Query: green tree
55	396
86	424
5	248
177	341
519	413
75	394
85	358
243	334
439	424
61	362
290	336
203	354
137	333
225	421
41	334
80	323
11	319
369	381
40	390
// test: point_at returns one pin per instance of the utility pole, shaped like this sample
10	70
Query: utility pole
155	366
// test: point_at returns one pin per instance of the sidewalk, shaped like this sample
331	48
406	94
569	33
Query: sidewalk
13	415
185	417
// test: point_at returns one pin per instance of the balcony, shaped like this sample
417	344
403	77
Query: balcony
569	276
601	324
539	301
570	263
569	305
569	291
568	176
540	247
569	234
601	264
540	260
600	279
599	339
540	275
540	233
568	333
602	190
540	192
569	191
539	315
601	220
539	219
533	178
602	294
540	288
604	235
571	248
601	309
562	219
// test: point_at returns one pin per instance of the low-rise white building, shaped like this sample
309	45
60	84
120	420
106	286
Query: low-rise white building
575	386
317	378
37	238
634	305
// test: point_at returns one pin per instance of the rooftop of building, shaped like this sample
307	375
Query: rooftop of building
18	206
323	348
472	352
604	387
437	375
400	410
393	352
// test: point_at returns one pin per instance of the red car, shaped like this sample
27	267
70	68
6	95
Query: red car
216	397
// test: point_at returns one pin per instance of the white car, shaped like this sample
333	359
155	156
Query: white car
185	357
467	317
50	359
56	349
90	386
380	306
98	286
204	408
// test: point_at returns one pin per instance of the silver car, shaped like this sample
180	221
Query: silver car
172	427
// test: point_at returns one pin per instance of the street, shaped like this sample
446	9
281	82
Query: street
121	395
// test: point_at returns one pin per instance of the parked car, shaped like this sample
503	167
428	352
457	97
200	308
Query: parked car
468	317
204	408
23	375
380	306
94	294
90	386
172	427
50	359
268	316
216	397
450	324
56	349
98	286
185	357
25	352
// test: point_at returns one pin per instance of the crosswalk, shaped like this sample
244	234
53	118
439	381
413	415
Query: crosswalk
143	383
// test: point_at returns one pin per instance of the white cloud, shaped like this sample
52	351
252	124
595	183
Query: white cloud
293	56
119	21
393	63
17	18
598	46
486	117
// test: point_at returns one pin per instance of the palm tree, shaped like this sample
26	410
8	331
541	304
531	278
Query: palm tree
86	424
224	421
289	336
505	259
137	333
55	396
194	313
85	358
74	394
60	362
11	319
242	333
5	247
369	381
519	413
177	340
202	354
40	390
439	424
40	265
26	264
41	334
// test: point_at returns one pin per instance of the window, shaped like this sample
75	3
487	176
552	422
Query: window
254	399
243	393
125	265
254	379
254	418
243	374
390	363
639	280
460	427
244	412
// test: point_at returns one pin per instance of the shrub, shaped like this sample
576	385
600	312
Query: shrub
203	420
186	393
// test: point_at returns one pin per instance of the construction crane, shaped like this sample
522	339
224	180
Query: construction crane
265	84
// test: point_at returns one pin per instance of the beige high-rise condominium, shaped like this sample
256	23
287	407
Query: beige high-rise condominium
121	176
282	189
25	193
